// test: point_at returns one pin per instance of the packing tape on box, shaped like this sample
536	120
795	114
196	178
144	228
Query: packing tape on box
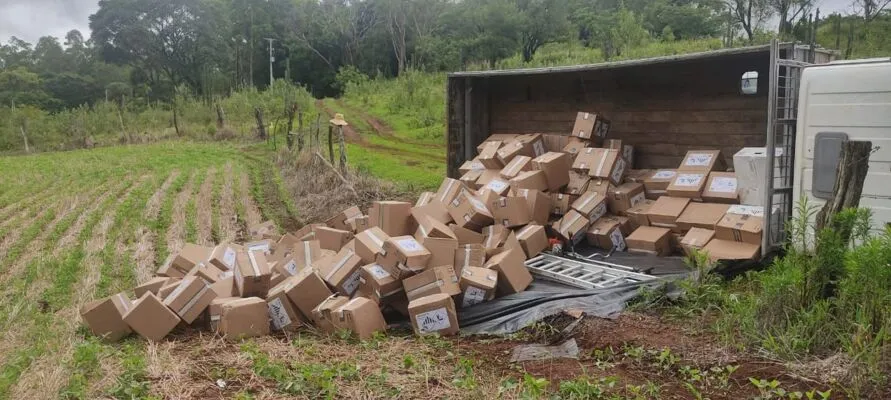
254	265
194	300
566	225
422	288
124	302
340	310
600	165
340	264
445	193
467	252
422	229
525	230
307	256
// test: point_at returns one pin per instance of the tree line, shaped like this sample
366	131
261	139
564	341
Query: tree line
149	50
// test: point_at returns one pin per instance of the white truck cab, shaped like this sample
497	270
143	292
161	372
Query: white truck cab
845	100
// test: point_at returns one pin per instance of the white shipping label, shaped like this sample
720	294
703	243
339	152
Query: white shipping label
538	147
698	160
226	274
618	171
352	283
755	211
664	174
478	204
278	314
618	240
291	267
409	245
433	320
691	180
477	166
722	184
264	247
379	272
473	295
637	199
229	257
497	185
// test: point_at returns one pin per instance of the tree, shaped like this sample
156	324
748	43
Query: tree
48	56
16	53
491	29
691	20
543	21
23	87
870	8
789	11
750	14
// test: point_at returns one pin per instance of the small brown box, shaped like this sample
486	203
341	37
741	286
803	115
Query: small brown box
469	212
687	184
590	126
533	239
591	205
477	285
379	282
248	317
333	239
740	228
361	316
606	233
265	245
609	165
498	186
535	180
393	217
586	159
624	197
152	285
562	203
190	298
432	208
701	215
306	290
664	212
340	221
404	256
538	203
638	213
488	155
433	314
323	315
696	239
718	249
510	211
442	249
703	161
224	256
721	187
470	178
513	277
601	187
578	182
448	190
657	183
466	236
177	266
252	274
510	150
303	254
487	176
638	175
283	314
572	227
575	145
150	318
515	166
369	243
106	317
215	311
359	224
555	166
434	280
341	272
469	255
651	240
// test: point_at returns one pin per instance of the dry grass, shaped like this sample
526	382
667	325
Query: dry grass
176	231
252	212
204	207
153	205
228	219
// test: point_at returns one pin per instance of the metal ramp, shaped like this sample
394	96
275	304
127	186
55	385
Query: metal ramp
588	274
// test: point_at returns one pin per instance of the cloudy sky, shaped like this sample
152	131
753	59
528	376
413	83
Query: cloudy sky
31	19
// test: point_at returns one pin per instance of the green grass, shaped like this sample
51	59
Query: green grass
425	175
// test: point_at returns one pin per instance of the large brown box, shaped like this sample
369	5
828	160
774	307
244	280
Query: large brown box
701	215
665	212
150	318
721	187
369	243
538	203
562	203
431	207
477	285
590	126
513	277
190	298
152	285
510	211
469	255
404	256
183	262
687	184
323	315
591	205
434	280
486	177
638	213
488	155
739	228
448	190
608	165
106	317
248	317
333	239
578	182
651	240
696	239
515	166
379	282
306	290
533	239
466	236
523	145
498	186
657	183
283	314
606	233
339	221
496	235
303	254
703	161
393	217
555	166
572	227
434	314
469	212
215	311
718	249
439	240
361	316
341	272
536	180
624	197
586	159
252	274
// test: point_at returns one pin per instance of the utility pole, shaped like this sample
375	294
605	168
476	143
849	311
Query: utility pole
271	60
251	60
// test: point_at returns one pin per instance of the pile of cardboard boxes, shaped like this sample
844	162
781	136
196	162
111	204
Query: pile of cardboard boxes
460	246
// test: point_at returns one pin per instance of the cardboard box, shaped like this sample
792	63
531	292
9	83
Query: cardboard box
215	312
440	241
359	224
624	197
696	239
252	274
323	315
150	318
739	228
339	221
488	155
106	317
448	190
276	277
469	255
586	159
515	166
469	212
510	211
266	246
688	184
538	203
433	314
601	187
302	255
562	203
750	167
223	256
369	243
626	225
404	256
555	166
432	209
307	232
225	286
638	213
575	145
379	282
152	285
261	230
703	161
393	217
496	235
190	298
534	142
243	318
701	215
477	285
341	272
535	180
590	126
333	239
659	180
533	240
608	165
434	280
721	187
638	175
168	288
283	314
572	227
466	236
591	205
470	179
578	183
306	290
510	150
650	240
606	233
183	262
664	212
718	250
513	277
361	316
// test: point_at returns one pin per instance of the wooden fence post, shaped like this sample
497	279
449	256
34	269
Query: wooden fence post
261	127
343	155
300	131
853	164
331	143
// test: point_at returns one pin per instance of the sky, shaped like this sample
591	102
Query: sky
31	19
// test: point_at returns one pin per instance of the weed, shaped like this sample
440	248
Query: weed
533	388
584	387
464	377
